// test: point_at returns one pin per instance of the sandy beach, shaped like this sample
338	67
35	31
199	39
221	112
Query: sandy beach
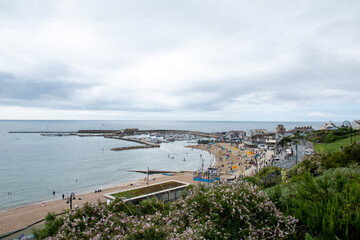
227	158
233	161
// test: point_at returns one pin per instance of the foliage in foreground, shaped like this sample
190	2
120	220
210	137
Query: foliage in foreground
322	192
236	210
328	206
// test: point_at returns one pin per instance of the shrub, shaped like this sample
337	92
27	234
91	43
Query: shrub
52	225
267	177
349	155
323	136
238	210
327	206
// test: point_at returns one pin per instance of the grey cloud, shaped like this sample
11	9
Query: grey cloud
47	85
319	39
317	73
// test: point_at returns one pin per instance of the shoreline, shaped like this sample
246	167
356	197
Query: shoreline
20	217
82	191
223	155
10	202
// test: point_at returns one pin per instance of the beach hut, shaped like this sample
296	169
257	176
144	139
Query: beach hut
209	175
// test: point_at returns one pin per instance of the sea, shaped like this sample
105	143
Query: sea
33	166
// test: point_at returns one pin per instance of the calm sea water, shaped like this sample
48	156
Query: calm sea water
33	166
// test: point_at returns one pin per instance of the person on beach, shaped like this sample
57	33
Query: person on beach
63	196
53	193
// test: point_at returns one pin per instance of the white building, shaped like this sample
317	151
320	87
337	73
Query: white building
356	124
328	126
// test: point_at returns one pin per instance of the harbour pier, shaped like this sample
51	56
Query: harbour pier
146	144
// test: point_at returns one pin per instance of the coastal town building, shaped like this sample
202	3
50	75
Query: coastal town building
268	139
258	139
304	130
258	131
356	124
131	131
280	130
328	126
289	134
235	136
164	191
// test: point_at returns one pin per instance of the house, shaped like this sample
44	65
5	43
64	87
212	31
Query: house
328	126
356	124
235	136
267	139
258	139
304	130
289	134
258	131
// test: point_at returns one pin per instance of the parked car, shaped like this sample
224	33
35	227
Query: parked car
262	146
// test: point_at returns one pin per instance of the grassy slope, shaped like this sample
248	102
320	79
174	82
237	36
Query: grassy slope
334	146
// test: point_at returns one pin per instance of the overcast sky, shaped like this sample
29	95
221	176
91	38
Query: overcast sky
180	60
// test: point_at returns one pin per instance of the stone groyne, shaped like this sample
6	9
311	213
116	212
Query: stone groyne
134	147
146	144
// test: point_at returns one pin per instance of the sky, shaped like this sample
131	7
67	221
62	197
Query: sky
279	60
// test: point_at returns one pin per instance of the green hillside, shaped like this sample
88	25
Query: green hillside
334	146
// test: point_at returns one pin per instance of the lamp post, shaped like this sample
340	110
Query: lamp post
296	153
347	123
70	199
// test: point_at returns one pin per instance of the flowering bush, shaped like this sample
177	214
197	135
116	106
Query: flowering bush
236	210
